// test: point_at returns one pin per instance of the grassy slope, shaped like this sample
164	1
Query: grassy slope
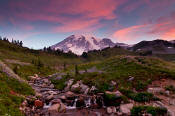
119	68
11	95
11	51
107	53
50	61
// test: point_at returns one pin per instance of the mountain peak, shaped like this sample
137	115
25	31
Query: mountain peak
80	43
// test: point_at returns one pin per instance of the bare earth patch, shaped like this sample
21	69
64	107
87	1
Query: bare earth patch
16	62
167	98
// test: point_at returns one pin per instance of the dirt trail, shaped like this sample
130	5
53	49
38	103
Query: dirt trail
10	72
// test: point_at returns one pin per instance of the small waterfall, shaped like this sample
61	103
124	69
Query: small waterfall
88	102
47	106
74	105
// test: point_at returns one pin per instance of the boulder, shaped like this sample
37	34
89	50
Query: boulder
113	83
116	93
167	93
46	80
84	88
54	108
38	104
158	104
36	75
75	86
50	97
86	91
55	101
109	110
70	95
155	90
38	94
80	102
62	108
114	109
131	78
69	83
32	78
51	86
125	108
93	88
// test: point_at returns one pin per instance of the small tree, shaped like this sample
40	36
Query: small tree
64	66
76	70
20	43
16	69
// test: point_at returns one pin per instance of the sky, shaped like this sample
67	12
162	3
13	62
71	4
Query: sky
40	23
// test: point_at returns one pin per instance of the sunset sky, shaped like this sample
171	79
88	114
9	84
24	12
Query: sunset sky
40	23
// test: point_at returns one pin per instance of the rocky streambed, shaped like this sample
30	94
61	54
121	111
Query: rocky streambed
52	102
49	101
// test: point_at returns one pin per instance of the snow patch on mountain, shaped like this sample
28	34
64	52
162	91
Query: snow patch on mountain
79	44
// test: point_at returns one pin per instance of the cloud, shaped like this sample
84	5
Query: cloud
130	34
162	28
67	15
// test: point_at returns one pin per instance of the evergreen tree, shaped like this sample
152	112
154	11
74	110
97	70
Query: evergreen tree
20	43
76	70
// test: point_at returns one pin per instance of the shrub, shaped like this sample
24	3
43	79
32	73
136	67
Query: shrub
139	97
170	88
143	97
155	111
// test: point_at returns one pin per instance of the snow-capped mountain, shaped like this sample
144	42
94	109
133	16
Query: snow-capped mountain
79	44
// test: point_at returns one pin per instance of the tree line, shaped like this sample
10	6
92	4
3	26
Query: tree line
16	42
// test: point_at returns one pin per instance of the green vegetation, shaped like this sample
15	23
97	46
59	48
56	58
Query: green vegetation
155	111
11	92
170	88
138	97
96	55
120	68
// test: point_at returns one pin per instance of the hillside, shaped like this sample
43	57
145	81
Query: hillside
76	79
106	53
156	46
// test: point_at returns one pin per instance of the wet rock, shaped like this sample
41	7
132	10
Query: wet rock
80	102
167	93
32	78
109	110
51	86
50	97
93	88
62	108
84	88
113	83
38	94
70	95
69	83
38	104
54	108
155	90
36	75
55	101
116	93
86	91
30	100
75	86
99	101
158	104
125	108
131	78
62	97
46	80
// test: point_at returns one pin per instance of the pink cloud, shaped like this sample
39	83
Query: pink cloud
130	34
163	28
72	16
